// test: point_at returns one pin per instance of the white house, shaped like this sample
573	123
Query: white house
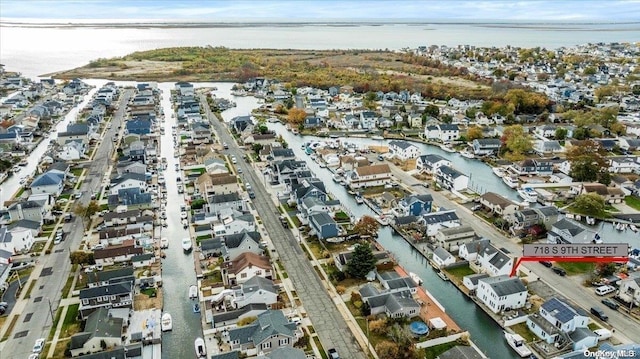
448	132
502	292
435	221
442	258
72	150
451	179
18	240
369	176
48	182
430	163
403	150
630	288
470	251
494	261
257	290
556	316
126	181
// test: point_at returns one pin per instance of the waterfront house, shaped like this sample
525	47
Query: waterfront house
102	330
218	203
494	261
435	221
502	293
72	150
555	318
430	163
414	205
341	259
76	131
566	231
629	144
369	176
117	295
128	181
256	290
528	217
486	146
533	167
51	182
368	120
220	183
451	179
245	266
609	194
224	317
117	254
270	331
233	222
323	226
312	122
236	244
403	150
442	258
431	132
396	297
498	205
626	164
102	278
452	238
461	351
630	289
308	188
547	147
471	281
448	132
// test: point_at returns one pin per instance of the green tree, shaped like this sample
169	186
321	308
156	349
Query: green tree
362	261
588	161
432	110
516	142
257	147
82	258
561	133
591	204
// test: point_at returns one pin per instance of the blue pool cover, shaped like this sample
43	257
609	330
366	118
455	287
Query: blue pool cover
419	328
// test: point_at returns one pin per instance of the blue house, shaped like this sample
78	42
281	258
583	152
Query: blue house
323	225
415	205
139	127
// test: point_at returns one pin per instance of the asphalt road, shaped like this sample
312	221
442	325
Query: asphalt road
52	270
327	320
569	287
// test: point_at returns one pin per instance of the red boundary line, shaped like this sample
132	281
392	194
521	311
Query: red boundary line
567	259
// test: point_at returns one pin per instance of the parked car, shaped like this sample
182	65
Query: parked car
37	347
546	264
234	160
611	304
252	195
559	271
333	354
599	313
477	207
605	289
603	334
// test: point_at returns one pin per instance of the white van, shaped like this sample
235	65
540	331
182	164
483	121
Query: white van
605	289
603	334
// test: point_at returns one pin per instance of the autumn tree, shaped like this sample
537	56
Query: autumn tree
516	142
362	261
86	211
474	133
588	162
81	257
526	101
387	349
366	226
296	116
591	204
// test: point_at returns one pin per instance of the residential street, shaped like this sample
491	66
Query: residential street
51	271
327	321
569	287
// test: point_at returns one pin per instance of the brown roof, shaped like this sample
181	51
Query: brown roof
248	259
598	188
373	170
495	198
127	247
615	191
115	233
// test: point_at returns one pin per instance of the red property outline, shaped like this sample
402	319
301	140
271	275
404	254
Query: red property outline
519	260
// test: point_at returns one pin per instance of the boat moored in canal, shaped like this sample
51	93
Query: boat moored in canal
186	245
518	344
167	322
511	181
528	194
201	351
193	292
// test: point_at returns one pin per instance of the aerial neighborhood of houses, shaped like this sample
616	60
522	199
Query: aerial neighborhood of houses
121	179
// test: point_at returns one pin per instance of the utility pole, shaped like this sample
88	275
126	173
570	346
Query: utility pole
50	311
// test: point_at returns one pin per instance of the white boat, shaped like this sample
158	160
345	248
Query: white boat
167	323
528	194
511	181
164	243
467	154
442	275
447	148
517	343
633	227
193	292
201	351
499	171
383	220
186	244
377	138
415	278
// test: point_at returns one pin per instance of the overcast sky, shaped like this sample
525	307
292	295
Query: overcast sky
298	10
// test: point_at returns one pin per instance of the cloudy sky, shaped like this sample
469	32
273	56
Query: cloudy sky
299	10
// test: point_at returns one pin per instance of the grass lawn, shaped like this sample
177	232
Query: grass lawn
70	325
37	247
320	348
593	326
77	171
20	192
522	329
212	278
58	352
574	268
150	292
460	272
434	351
67	286
633	202
8	333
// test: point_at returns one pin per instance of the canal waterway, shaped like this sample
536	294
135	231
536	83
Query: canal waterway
177	268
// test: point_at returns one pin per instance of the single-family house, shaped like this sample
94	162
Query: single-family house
256	290
566	231
245	266
486	146
403	150
48	182
451	239
629	289
102	278
220	202
220	183
502	293
442	258
435	221
368	120
448	132
323	226
450	178
395	304
117	295
29	210
498	204
101	331
494	261
555	318
270	331
16	241
116	254
369	176
547	147
236	244
471	281
415	205
128	181
430	163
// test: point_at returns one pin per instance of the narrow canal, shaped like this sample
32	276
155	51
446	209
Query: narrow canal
177	268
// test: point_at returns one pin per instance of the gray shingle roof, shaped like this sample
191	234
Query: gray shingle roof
504	285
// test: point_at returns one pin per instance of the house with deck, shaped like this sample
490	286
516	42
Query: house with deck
271	330
486	146
369	176
502	293
430	163
403	150
451	179
117	295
